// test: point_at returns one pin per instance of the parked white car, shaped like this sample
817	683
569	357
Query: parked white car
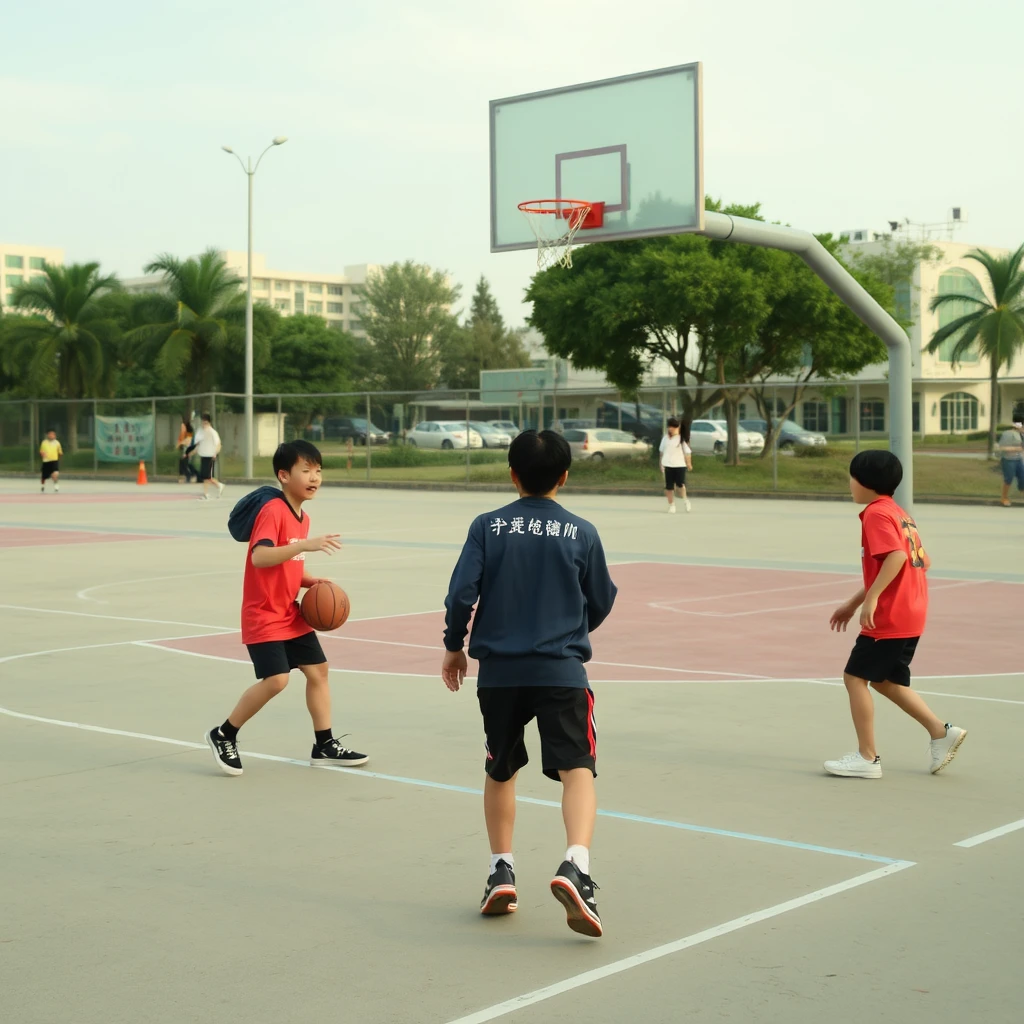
604	443
710	437
505	426
493	437
442	434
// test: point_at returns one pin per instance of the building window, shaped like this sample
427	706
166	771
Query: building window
915	415
957	282
839	415
335	289
36	263
316	289
901	302
335	307
283	304
816	416
300	302
337	325
872	416
314	307
282	286
13	280
260	284
958	412
38	278
14	262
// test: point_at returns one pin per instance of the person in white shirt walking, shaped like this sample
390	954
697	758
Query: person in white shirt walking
676	458
207	441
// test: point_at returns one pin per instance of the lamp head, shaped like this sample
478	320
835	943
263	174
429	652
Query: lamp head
280	140
227	149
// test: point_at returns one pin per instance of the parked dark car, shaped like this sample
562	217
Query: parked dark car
341	428
788	434
646	427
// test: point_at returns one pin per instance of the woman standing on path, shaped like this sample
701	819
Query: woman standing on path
675	459
1011	450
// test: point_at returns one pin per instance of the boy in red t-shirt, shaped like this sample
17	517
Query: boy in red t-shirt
893	606
273	629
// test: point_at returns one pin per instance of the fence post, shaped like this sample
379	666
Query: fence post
280	423
154	438
775	438
95	437
367	435
33	434
856	418
468	438
664	413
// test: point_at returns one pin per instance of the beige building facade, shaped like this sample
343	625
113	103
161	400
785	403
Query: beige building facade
19	264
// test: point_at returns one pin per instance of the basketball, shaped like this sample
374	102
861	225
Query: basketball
325	606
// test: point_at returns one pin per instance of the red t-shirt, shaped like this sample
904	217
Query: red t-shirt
270	609
903	605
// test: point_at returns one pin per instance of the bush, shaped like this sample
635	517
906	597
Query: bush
818	451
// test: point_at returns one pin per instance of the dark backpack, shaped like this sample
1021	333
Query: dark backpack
243	516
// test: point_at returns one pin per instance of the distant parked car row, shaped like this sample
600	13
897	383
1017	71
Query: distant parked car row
597	443
710	437
788	434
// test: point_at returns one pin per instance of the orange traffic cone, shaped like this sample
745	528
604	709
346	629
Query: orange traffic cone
142	480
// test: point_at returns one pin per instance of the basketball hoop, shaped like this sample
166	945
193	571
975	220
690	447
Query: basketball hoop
555	222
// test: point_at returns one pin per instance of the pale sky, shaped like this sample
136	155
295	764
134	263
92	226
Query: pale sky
834	116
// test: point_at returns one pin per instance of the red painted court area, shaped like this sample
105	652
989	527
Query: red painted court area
28	537
677	622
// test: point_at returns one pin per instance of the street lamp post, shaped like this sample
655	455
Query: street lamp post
250	172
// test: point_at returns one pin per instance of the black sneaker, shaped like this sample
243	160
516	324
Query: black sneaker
333	754
225	753
575	891
500	893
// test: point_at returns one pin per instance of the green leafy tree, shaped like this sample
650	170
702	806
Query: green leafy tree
484	307
191	328
65	345
893	265
993	322
408	320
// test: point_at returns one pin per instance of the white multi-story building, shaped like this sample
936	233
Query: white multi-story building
20	264
335	297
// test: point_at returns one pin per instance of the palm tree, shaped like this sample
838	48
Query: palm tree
66	342
188	327
997	326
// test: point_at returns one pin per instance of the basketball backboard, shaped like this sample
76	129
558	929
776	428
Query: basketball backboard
633	143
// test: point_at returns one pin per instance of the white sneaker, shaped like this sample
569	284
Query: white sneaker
672	509
853	766
944	750
686	504
220	489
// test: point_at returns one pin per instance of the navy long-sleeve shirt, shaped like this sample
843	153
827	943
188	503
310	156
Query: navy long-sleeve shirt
540	581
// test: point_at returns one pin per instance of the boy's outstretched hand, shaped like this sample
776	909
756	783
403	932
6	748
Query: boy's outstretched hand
453	669
841	617
329	543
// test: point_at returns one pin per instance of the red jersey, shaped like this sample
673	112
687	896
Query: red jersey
270	609
903	605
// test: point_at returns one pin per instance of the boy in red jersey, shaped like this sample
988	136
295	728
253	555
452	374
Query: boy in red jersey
893	606
277	636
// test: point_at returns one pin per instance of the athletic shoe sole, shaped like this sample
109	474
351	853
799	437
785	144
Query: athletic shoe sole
842	773
501	900
950	754
225	768
330	762
577	914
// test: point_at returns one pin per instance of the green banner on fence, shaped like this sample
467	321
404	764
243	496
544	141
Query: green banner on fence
124	439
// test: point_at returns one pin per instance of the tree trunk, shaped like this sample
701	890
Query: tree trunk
993	407
732	425
72	434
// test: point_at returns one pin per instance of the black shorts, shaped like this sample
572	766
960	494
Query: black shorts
49	468
565	720
882	661
279	657
675	476
206	468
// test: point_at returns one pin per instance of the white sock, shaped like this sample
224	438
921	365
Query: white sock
580	856
506	857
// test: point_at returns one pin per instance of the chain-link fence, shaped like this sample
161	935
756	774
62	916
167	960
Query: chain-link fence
790	436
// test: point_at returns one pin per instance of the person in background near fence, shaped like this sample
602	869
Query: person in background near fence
538	579
1011	450
50	452
676	458
184	446
893	607
207	441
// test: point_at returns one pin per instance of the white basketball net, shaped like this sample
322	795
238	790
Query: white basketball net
555	230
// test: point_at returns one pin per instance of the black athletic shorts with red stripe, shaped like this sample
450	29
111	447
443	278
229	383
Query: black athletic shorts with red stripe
565	720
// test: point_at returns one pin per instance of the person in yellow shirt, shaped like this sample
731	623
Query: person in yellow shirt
50	452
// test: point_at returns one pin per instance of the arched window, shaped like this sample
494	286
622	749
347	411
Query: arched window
958	412
957	282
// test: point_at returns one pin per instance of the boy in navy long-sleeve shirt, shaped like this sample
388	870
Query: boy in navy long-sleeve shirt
538	577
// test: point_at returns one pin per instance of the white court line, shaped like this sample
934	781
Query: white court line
93	647
81	594
667	605
927	693
618	966
995	833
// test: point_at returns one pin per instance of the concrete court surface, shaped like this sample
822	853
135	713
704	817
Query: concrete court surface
738	882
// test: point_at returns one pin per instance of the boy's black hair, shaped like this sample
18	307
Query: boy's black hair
290	452
877	470
672	422
539	460
206	416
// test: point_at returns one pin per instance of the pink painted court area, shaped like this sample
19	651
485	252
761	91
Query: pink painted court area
27	537
726	624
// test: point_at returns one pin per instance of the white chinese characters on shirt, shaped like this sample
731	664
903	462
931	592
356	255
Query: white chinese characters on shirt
535	528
